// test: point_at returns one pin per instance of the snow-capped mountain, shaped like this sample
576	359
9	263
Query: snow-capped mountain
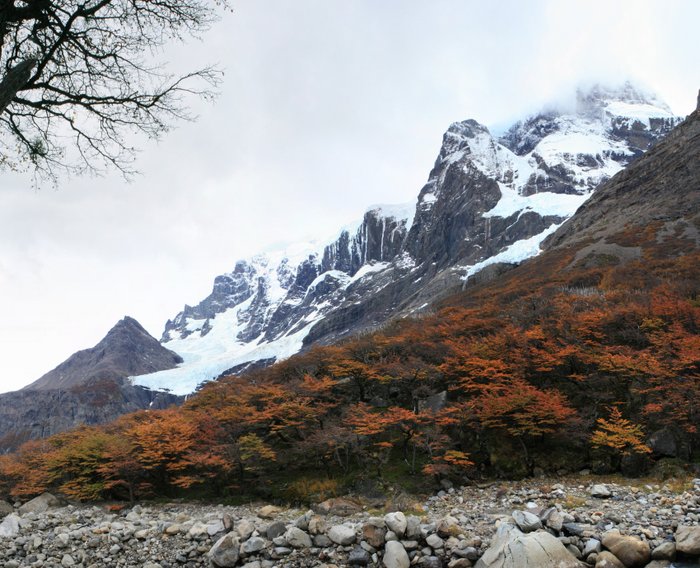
487	201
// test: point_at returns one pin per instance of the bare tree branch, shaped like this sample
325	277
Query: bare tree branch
77	79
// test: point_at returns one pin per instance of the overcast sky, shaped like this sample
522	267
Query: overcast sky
327	107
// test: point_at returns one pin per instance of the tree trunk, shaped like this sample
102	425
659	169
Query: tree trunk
14	80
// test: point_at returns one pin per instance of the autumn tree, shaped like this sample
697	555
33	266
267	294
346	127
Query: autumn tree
74	463
24	473
619	436
77	79
178	449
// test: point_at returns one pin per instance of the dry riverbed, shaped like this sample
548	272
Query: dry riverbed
576	521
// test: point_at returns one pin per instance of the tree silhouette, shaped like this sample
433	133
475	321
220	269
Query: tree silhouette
77	79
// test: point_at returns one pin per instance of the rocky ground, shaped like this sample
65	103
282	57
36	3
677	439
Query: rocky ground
534	523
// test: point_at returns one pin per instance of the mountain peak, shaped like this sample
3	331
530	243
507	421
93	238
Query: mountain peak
127	349
486	201
627	92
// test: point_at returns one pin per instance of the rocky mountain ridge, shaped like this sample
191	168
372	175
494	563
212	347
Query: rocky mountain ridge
127	349
90	387
488	202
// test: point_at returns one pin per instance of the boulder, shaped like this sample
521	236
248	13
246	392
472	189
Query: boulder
688	540
628	549
322	541
608	560
527	522
245	528
297	538
432	562
9	528
359	557
396	522
600	491
412	527
225	552
269	512
448	526
592	546
555	520
395	556
252	545
275	529
373	534
40	504
434	541
5	508
665	551
338	506
511	548
342	535
317	524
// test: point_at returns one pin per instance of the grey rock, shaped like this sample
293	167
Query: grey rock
9	528
395	556
412	527
434	541
665	551
5	508
555	521
359	557
297	538
396	522
573	529
592	546
252	545
244	528
431	562
511	548
688	540
278	528
40	504
225	552
526	521
322	541
342	534
600	491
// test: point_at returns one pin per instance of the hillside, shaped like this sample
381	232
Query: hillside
580	357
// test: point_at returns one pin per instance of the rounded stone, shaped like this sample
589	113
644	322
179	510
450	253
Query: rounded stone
395	556
396	522
342	534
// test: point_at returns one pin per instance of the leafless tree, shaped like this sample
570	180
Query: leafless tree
79	77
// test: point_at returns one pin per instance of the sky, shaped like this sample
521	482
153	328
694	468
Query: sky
326	107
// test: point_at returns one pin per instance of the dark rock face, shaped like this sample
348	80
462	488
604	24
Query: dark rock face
128	349
90	387
663	180
34	414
